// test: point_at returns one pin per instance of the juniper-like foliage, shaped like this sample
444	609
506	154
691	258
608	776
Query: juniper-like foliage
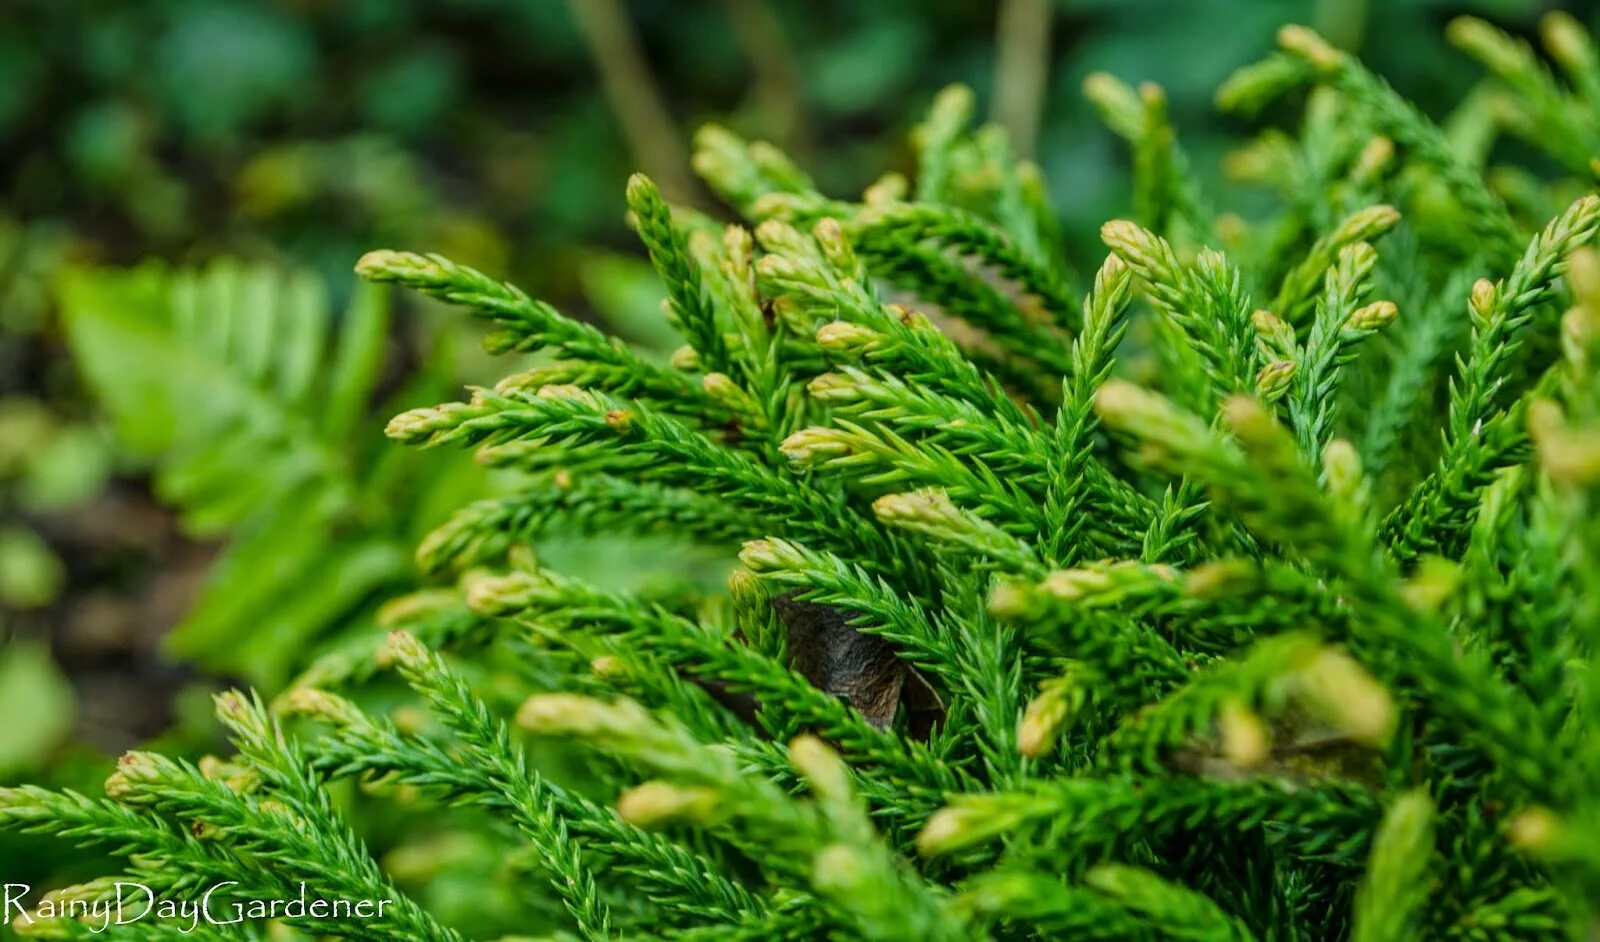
1245	585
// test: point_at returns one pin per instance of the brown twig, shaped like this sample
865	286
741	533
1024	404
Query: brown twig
1022	59
776	74
631	92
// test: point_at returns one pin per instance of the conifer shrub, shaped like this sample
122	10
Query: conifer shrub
1241	587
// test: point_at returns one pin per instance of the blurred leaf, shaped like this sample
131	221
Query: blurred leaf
25	428
105	142
32	688
247	59
31	574
414	91
257	412
868	67
29	256
68	471
627	295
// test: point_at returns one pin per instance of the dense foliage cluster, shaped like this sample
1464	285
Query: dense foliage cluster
1251	596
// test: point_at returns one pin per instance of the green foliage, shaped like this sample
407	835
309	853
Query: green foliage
253	402
30	684
1142	644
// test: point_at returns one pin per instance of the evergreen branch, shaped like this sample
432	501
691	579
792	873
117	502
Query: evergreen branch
1394	892
1502	310
588	503
688	301
359	745
277	846
488	745
528	324
684	457
549	602
887	227
1480	431
1333	823
1206	303
1548	118
1298	290
1338	325
1401	121
1188	686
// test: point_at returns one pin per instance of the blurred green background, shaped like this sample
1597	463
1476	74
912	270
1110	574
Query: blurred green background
300	133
